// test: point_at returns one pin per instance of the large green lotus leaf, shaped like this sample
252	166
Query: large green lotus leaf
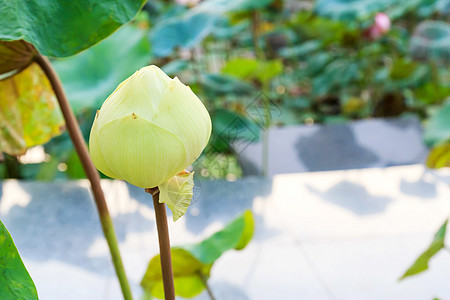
437	129
421	263
91	76
192	264
15	282
29	113
64	28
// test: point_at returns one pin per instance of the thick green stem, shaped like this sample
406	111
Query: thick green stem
90	170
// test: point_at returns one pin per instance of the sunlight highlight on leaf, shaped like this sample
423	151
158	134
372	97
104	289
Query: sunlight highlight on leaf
29	113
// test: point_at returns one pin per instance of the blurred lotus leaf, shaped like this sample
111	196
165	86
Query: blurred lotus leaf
221	84
192	264
15	282
230	127
175	67
250	68
350	9
300	50
404	73
432	92
184	31
439	156
430	41
29	113
188	28
437	129
91	76
61	29
337	74
15	56
326	30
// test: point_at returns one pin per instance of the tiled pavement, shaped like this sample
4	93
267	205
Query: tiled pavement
322	235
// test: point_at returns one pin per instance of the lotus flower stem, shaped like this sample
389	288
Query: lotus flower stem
205	283
90	170
164	244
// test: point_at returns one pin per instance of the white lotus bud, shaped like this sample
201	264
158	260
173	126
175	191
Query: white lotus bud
149	129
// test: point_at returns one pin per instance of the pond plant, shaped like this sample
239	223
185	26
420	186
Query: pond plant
254	63
147	132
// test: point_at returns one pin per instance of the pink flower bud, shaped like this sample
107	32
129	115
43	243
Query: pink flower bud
382	22
381	25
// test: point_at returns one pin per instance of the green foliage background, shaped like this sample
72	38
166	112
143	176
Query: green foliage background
315	64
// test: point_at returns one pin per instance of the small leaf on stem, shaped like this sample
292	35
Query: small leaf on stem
177	193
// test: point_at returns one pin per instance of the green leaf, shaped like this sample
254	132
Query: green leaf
421	264
350	9
328	31
301	50
29	113
249	68
15	282
192	264
70	27
244	68
235	235
337	74
184	31
186	273
430	41
177	194
402	69
269	69
74	167
439	156
229	127
220	84
432	92
91	76
175	67
189	28
438	127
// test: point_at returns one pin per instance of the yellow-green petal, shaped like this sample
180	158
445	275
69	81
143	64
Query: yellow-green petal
177	193
186	116
96	154
137	94
141	152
